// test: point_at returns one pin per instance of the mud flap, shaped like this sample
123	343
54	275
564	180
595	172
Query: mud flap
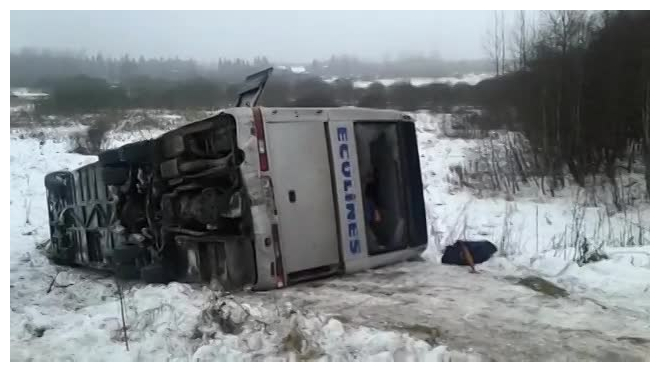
226	263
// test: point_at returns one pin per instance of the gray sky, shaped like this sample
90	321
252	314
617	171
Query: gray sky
284	36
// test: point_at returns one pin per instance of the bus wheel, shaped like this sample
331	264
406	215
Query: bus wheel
154	273
126	254
126	272
115	175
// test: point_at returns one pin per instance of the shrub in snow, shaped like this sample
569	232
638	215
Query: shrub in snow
90	141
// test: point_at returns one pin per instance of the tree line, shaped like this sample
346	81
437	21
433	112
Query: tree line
402	67
82	93
577	84
36	68
33	68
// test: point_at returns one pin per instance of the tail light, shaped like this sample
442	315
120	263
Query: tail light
261	138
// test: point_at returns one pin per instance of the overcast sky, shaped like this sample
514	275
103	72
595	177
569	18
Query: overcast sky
282	36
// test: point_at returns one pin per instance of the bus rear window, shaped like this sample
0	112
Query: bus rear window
391	185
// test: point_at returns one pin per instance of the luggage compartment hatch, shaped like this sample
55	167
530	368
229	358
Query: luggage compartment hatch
303	196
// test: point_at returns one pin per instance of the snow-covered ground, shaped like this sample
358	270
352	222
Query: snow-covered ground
411	311
294	69
454	213
27	107
470	79
27	93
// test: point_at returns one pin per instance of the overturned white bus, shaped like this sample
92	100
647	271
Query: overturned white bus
252	197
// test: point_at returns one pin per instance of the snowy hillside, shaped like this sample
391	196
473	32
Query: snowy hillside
534	233
412	311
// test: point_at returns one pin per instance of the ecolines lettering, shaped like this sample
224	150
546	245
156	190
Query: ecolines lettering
349	195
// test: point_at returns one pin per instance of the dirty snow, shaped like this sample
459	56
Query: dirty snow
412	311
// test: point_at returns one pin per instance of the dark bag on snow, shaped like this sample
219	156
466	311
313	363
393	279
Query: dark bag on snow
480	250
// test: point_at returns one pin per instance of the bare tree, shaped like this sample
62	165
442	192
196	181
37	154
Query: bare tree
520	41
566	29
492	43
646	126
502	42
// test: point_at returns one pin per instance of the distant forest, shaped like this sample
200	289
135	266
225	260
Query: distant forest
36	68
576	84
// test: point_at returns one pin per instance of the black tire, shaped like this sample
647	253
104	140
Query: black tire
64	261
154	273
115	175
110	156
126	254
172	145
127	272
138	152
61	253
57	180
128	153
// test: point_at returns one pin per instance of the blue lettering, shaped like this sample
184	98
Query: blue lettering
349	196
352	229
351	211
346	169
342	134
343	149
355	246
348	184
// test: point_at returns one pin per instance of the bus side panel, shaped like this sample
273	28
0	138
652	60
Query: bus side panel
353	240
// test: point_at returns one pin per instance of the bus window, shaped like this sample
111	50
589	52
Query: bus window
383	186
414	189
